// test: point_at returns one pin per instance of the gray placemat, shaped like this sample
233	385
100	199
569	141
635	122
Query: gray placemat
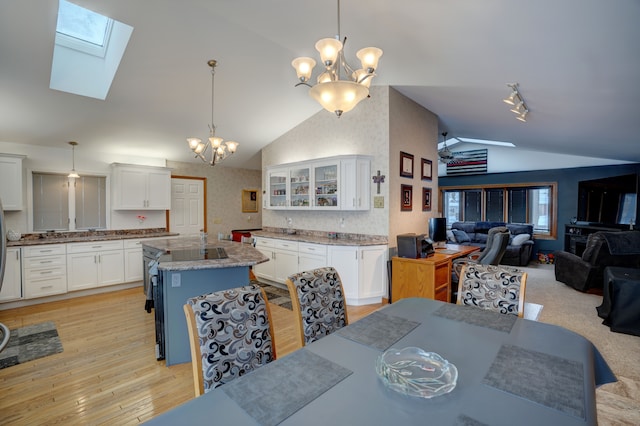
546	379
477	316
464	420
275	391
378	330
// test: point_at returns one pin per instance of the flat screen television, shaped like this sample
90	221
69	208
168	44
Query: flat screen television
609	201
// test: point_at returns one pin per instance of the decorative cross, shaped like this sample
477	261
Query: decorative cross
378	179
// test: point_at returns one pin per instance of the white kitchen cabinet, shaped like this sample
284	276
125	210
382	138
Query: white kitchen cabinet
333	183
44	270
133	260
311	256
355	185
140	187
11	181
363	271
95	264
286	259
12	284
283	259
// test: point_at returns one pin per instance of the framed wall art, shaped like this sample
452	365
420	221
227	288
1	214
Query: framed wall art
426	169
426	199
249	201
406	165
406	203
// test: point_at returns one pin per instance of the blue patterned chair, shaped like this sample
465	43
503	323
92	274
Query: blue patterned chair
494	287
318	300
230	333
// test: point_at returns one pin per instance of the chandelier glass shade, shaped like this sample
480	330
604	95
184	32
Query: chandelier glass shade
334	92
215	146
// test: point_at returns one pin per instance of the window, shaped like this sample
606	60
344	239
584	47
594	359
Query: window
55	208
525	203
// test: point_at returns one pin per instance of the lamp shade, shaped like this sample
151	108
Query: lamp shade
339	96
329	48
304	67
369	57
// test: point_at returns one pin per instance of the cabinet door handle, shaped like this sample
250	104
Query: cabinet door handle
44	251
45	261
96	246
45	272
46	286
17	255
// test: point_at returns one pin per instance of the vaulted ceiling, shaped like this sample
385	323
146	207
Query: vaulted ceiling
577	63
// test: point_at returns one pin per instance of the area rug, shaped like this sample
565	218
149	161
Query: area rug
29	343
276	295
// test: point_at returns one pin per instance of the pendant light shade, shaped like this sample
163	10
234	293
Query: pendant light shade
73	173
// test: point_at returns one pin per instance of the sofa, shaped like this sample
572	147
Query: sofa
603	249
520	246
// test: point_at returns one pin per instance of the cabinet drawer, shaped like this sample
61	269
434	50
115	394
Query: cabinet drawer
50	271
45	287
129	244
94	246
286	245
46	250
263	242
309	248
43	262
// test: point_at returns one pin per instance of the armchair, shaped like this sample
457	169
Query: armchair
603	249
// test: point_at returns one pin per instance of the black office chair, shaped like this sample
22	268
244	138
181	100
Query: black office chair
497	242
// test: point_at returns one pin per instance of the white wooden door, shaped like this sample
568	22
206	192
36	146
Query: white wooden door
187	206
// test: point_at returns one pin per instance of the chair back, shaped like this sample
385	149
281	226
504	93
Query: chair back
494	287
499	244
230	333
489	244
318	300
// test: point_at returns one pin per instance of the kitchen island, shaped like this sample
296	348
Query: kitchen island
186	268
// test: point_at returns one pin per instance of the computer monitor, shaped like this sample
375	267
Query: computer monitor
438	230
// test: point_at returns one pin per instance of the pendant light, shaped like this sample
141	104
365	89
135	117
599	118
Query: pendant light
73	173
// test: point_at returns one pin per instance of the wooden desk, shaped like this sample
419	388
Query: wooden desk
429	277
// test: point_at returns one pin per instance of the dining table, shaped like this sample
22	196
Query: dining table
509	371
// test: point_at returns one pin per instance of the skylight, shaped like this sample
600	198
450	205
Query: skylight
87	52
82	24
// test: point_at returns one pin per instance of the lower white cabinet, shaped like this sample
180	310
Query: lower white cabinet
363	271
44	270
96	264
133	260
283	259
311	256
12	284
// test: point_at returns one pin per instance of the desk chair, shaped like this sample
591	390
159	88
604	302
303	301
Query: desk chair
230	334
318	300
494	287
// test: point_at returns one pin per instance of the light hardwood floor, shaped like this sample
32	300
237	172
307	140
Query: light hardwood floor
108	373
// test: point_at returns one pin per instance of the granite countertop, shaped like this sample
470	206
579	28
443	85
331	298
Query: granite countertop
88	236
239	254
321	238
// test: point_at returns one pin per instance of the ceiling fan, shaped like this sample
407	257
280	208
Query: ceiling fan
445	155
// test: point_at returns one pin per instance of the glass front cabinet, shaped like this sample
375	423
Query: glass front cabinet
320	184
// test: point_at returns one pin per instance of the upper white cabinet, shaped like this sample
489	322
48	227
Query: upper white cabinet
11	181
141	187
334	183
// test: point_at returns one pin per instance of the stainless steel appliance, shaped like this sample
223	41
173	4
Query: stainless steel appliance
3	257
152	257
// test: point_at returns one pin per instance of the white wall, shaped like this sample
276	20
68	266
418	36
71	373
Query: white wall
363	130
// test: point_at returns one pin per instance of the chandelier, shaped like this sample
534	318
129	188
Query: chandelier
333	93
219	149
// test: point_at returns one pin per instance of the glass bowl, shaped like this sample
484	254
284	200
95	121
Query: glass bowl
413	371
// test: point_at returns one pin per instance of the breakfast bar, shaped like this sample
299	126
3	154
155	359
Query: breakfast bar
189	267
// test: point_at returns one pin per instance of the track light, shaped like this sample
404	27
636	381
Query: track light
515	98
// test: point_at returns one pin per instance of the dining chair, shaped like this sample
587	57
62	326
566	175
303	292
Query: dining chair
318	300
493	287
230	334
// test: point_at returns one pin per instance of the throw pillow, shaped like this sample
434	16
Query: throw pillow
519	239
461	236
451	237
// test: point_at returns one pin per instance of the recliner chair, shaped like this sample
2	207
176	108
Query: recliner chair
603	249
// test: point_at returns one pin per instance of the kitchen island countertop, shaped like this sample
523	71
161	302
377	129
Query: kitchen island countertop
239	254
